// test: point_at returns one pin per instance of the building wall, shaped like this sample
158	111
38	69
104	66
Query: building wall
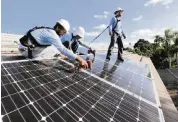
8	47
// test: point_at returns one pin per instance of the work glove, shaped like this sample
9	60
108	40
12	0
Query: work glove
110	33
91	51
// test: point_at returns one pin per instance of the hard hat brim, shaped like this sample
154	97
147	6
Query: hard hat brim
118	11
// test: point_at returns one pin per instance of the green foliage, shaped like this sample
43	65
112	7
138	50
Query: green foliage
143	47
163	52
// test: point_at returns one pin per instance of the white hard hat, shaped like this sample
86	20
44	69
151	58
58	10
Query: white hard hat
80	31
119	9
65	24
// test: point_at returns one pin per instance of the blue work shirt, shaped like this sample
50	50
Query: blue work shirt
118	29
68	37
49	37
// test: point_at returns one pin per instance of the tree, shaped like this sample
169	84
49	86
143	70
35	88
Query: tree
158	40
176	46
163	52
143	47
167	43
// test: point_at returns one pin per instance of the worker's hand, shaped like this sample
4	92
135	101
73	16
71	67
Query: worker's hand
124	36
82	62
94	52
91	51
63	56
110	33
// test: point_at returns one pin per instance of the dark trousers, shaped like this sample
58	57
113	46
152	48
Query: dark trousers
118	40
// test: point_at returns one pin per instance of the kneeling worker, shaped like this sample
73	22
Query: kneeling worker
39	42
73	40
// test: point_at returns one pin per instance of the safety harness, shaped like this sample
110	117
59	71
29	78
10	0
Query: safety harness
73	44
113	29
30	42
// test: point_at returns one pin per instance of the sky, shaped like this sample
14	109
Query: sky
141	18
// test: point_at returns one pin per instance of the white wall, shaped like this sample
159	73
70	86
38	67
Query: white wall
7	43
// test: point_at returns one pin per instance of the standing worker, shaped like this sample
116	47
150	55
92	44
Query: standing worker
39	42
116	33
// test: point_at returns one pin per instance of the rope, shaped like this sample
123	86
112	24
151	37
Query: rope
99	35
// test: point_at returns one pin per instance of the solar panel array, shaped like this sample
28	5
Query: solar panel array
46	91
133	76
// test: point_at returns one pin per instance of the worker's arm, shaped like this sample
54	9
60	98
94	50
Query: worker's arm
123	34
66	37
55	40
90	50
84	45
62	49
111	26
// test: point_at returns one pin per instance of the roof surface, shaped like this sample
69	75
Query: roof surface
129	79
169	110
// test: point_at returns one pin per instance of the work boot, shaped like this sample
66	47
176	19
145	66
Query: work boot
120	58
108	58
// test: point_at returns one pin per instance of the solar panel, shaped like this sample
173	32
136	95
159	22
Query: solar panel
46	91
135	77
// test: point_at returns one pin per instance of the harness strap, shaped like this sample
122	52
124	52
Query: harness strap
73	44
32	39
30	42
29	53
113	29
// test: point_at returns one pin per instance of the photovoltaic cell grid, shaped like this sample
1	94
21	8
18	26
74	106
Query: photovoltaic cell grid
41	91
134	67
138	73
